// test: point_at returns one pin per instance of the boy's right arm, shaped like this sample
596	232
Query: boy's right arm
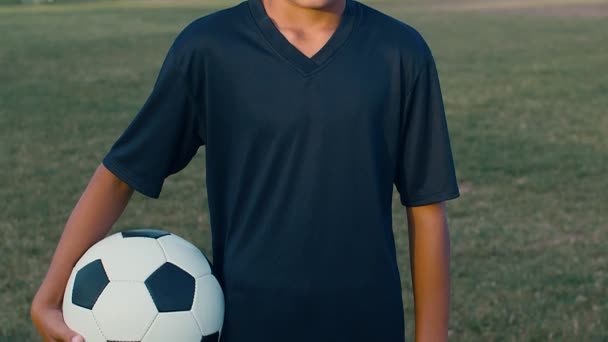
98	208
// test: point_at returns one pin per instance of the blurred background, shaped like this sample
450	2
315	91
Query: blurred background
525	86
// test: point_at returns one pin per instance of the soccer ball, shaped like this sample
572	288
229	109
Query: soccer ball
144	285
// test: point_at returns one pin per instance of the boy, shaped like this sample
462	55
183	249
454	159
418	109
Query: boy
310	111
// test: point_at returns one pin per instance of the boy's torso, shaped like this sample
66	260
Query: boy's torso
300	161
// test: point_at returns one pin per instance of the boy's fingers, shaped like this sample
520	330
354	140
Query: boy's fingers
60	331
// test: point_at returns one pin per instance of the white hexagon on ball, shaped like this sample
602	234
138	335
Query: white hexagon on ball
144	255
208	306
181	252
174	326
124	311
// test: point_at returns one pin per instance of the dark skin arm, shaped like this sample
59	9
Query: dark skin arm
430	268
100	205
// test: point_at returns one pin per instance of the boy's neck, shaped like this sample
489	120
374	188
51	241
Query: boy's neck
289	15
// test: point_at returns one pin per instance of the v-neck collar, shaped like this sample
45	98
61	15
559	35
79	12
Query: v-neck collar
285	48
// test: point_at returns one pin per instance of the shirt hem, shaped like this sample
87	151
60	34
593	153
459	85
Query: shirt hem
128	178
433	198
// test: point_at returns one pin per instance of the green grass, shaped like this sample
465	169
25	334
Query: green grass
45	2
526	103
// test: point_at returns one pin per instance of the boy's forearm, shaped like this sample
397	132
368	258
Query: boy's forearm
430	267
100	205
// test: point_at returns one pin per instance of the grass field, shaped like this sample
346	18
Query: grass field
525	88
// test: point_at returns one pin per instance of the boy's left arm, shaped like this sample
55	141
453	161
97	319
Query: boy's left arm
429	241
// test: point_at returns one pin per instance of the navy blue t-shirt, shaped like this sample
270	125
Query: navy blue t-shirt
301	158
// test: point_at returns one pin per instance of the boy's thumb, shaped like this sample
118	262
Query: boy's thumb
77	338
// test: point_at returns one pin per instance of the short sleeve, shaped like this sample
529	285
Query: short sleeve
164	135
425	168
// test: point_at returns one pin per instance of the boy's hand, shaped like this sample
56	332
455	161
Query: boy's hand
50	324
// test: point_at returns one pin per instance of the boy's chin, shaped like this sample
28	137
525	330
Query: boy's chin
316	4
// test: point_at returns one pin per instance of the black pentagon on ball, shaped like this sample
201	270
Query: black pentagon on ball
145	232
211	338
89	284
171	288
